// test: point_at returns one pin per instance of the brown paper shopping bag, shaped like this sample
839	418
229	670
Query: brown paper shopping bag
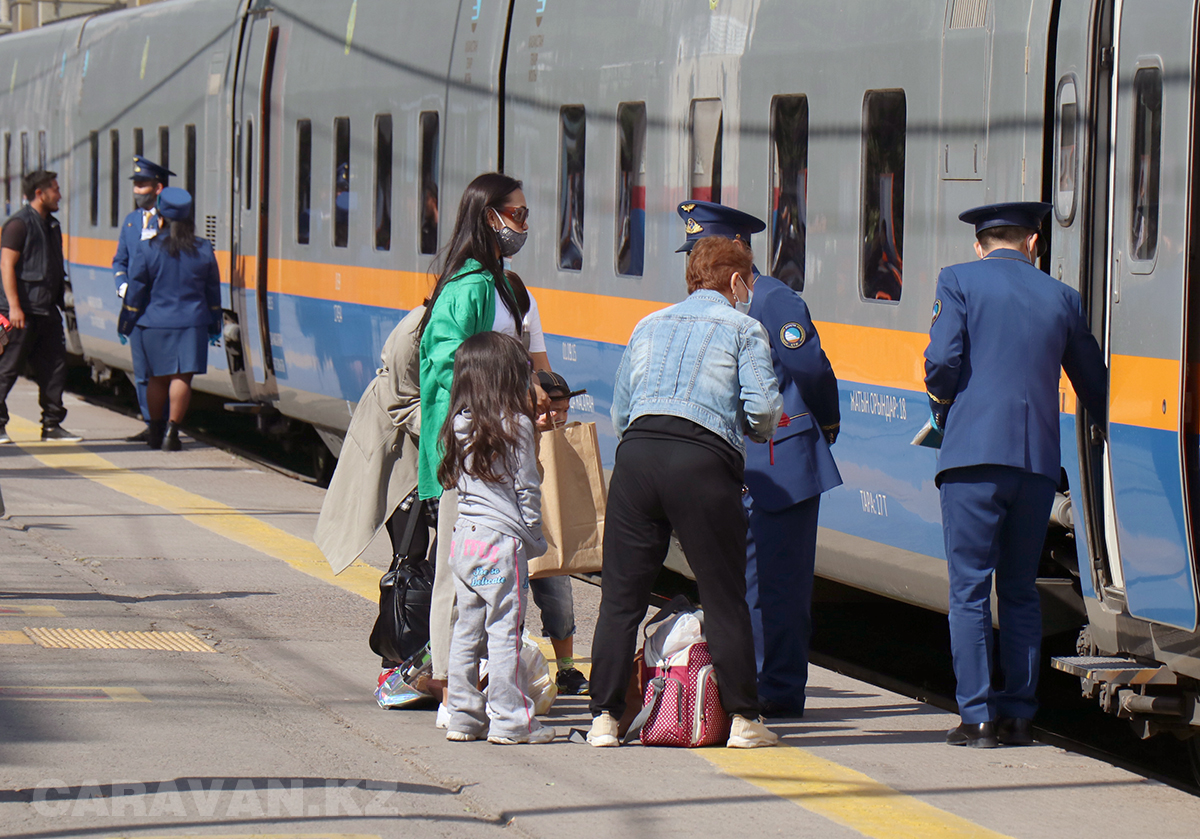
573	500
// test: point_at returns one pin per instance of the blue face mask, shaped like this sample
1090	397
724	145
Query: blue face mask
744	308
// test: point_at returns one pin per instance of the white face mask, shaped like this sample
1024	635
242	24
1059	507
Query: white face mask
744	308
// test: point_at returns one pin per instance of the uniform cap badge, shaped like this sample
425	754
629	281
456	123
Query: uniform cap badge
791	335
687	208
693	226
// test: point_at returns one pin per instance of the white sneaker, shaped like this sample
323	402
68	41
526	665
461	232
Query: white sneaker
461	736
750	734
604	731
537	737
443	717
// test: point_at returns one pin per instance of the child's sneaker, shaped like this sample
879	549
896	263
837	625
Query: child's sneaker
443	717
534	738
461	736
604	731
571	682
750	734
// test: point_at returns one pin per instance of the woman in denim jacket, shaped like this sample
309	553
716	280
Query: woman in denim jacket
695	378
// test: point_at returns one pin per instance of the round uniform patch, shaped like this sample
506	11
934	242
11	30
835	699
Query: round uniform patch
937	310
791	335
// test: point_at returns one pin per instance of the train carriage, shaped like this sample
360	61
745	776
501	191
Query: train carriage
325	142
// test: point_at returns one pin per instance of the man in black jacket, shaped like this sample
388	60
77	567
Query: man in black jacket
33	273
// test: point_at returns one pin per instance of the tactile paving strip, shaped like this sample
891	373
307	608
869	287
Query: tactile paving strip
99	639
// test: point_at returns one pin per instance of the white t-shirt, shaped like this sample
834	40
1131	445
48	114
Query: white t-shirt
532	324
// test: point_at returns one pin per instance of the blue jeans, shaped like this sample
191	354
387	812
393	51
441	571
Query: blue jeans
553	596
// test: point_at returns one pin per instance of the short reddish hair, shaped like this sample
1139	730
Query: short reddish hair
714	260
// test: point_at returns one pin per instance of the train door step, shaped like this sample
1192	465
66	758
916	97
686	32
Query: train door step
244	407
1113	670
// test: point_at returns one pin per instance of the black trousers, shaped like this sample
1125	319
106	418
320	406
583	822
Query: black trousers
42	344
659	485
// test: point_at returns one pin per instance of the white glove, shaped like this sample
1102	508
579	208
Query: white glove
121	290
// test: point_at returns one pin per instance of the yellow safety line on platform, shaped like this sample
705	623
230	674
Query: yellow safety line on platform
255	836
12	636
826	788
60	694
100	639
301	554
30	611
843	795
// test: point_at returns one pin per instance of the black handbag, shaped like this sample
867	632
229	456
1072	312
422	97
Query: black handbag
405	596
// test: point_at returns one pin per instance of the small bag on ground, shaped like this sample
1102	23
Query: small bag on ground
573	501
406	686
682	704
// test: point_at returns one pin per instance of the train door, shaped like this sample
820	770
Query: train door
252	135
1147	301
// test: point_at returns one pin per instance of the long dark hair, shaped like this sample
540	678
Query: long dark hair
179	237
474	238
492	381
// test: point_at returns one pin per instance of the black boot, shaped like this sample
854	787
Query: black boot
171	442
155	438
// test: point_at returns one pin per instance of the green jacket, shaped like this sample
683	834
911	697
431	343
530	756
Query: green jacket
466	307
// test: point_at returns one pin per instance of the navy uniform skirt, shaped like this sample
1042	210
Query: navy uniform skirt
170	351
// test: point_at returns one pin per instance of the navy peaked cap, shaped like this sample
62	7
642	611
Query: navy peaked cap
175	203
705	218
145	169
1027	214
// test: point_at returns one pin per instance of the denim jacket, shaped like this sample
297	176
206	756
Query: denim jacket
704	361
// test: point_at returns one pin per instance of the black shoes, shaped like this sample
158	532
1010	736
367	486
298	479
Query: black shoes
1014	731
773	710
142	436
58	434
978	735
170	441
4	438
154	433
571	682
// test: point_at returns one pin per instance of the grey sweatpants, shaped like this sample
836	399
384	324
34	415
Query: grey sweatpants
491	581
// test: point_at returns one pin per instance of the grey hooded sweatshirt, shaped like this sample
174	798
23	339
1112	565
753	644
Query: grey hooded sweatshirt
514	505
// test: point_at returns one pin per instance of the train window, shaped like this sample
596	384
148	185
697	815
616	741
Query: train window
24	157
164	147
94	176
430	149
383	182
631	188
885	116
114	177
341	182
41	149
139	143
707	121
1147	160
789	188
303	178
7	174
573	121
189	159
248	181
1067	171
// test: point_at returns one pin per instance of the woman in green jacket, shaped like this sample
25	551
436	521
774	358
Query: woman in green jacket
471	296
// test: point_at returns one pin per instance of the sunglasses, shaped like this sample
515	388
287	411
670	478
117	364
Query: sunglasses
517	215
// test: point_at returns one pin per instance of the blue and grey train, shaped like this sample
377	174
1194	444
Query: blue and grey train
327	142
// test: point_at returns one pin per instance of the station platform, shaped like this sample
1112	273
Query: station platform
176	659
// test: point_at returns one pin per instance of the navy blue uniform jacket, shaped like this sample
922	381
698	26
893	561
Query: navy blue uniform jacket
172	293
128	242
803	466
1001	330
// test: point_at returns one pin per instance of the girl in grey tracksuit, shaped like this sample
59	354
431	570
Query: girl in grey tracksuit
490	456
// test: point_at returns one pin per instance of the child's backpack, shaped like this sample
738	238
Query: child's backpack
682	701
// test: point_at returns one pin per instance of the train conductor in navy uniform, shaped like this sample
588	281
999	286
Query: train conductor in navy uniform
1001	330
142	224
785	477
